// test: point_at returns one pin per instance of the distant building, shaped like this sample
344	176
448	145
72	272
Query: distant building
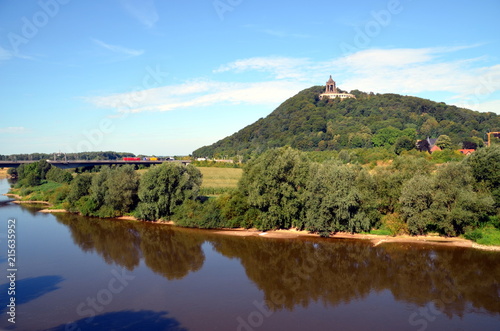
432	145
434	148
466	151
331	91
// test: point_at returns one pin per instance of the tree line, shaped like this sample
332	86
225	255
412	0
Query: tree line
106	155
284	188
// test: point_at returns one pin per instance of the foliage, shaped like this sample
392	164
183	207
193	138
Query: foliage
79	188
416	200
446	155
113	192
394	224
306	123
446	202
108	155
197	214
443	142
403	143
487	235
332	203
274	184
59	175
456	204
485	165
389	180
164	187
386	136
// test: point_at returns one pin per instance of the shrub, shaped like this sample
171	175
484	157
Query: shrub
395	224
474	235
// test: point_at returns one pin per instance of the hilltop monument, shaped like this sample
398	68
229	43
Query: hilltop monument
331	91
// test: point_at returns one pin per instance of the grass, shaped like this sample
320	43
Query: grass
487	235
216	181
41	192
380	232
220	178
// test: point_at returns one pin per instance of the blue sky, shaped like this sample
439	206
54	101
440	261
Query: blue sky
167	77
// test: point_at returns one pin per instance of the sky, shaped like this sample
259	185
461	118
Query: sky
167	77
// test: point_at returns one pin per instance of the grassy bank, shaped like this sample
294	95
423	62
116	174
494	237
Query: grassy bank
487	235
51	192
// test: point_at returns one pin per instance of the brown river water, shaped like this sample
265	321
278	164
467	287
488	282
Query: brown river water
78	273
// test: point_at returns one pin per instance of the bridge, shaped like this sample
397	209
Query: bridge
87	163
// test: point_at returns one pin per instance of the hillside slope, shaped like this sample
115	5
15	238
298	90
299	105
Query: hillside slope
307	123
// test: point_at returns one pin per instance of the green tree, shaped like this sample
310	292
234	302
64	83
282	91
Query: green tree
416	200
485	165
59	175
332	202
164	187
122	184
429	128
386	136
444	142
79	188
403	143
455	202
273	184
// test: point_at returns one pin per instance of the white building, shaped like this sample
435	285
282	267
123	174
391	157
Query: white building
332	92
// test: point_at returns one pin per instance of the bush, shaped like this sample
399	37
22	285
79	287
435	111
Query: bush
197	214
474	235
395	224
163	188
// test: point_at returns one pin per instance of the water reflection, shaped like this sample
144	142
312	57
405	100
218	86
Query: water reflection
172	254
295	273
116	242
125	320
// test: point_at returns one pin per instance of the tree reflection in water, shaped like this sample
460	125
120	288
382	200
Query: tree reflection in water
298	272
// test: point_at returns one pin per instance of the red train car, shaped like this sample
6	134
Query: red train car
131	159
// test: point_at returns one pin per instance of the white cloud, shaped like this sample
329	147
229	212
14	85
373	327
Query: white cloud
405	71
488	106
142	10
13	130
410	71
118	49
198	94
280	67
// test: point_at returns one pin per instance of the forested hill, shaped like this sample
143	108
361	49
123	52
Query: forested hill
307	123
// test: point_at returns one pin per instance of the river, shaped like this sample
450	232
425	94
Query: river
78	273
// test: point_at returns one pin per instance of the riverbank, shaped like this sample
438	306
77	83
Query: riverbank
294	233
374	239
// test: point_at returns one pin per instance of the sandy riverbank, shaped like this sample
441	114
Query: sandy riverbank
374	239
